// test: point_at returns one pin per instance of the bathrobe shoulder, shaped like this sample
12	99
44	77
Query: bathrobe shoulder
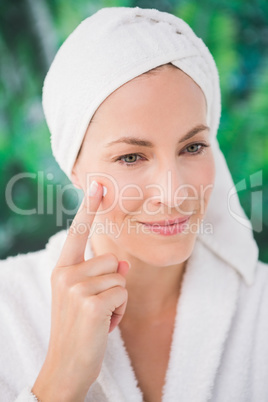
219	349
25	303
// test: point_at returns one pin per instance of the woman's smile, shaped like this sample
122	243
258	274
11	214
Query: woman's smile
169	228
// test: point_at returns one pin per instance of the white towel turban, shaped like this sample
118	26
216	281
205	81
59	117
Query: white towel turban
108	49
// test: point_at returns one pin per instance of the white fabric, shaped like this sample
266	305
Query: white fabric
219	350
110	48
26	395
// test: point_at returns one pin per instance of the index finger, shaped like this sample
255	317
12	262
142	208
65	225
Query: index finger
74	247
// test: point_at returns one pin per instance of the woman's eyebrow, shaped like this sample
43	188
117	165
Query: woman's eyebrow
145	143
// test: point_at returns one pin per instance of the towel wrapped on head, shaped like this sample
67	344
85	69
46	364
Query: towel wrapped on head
108	49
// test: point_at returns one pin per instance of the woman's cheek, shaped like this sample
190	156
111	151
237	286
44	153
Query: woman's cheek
199	180
130	198
206	182
123	196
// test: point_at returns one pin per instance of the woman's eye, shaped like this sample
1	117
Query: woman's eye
129	159
196	149
133	159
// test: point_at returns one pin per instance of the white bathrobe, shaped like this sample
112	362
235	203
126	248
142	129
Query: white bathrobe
219	349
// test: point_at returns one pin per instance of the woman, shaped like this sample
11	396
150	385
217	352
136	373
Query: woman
132	102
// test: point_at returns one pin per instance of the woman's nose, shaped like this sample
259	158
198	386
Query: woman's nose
168	189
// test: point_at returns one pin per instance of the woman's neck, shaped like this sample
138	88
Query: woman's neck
152	290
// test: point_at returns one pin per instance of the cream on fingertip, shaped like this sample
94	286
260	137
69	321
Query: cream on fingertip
104	191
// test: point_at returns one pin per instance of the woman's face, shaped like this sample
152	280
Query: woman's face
156	176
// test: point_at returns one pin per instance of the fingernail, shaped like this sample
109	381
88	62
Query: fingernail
104	191
93	188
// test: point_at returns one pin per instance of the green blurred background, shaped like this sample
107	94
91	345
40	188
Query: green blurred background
31	31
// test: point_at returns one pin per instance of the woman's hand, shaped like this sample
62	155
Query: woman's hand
88	301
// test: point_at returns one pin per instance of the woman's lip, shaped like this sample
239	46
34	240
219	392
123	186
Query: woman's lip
167	221
170	227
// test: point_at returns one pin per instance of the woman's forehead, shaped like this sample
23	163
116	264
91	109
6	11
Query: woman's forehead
168	90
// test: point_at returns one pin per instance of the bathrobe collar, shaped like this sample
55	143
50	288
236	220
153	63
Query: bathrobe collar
204	314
